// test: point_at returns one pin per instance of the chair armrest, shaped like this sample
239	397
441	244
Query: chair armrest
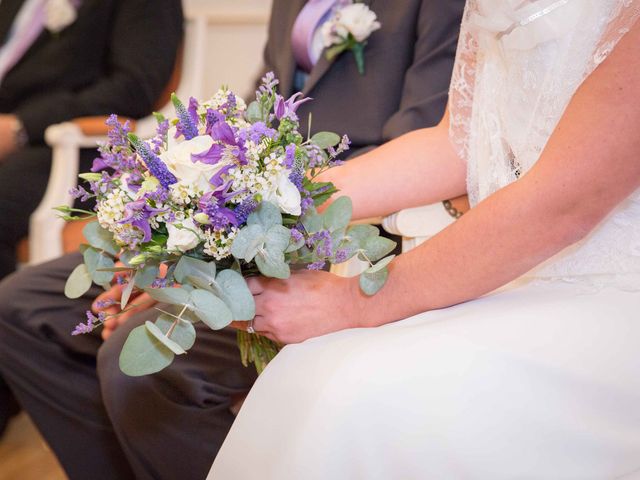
416	225
96	126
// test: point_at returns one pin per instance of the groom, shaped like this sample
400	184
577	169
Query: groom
104	425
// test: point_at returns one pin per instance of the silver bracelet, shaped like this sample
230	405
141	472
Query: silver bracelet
451	210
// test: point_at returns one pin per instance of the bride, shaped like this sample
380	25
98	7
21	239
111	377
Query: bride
539	377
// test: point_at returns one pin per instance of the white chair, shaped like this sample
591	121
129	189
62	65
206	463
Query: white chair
66	139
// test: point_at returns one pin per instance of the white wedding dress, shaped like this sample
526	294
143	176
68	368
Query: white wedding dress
539	380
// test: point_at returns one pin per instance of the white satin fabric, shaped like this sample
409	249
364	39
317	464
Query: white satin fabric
540	380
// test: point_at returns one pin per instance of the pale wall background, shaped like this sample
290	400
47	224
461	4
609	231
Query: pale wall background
235	40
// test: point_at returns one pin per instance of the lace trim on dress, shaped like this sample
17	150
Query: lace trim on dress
518	65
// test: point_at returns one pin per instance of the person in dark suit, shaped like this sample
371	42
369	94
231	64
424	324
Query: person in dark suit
62	59
168	425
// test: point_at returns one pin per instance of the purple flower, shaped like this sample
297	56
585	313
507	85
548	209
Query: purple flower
138	214
90	325
290	155
246	208
342	255
296	235
117	132
257	131
316	265
81	193
187	119
101	304
322	242
220	217
287	108
155	165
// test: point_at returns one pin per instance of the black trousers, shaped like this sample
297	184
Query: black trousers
100	423
23	181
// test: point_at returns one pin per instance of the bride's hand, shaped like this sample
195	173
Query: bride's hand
306	305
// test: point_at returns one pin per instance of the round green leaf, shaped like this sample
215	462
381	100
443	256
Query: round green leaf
325	140
381	264
267	215
370	283
173	296
377	247
146	275
271	264
96	260
189	266
338	215
78	283
143	354
247	242
100	238
184	334
236	294
162	338
277	238
210	309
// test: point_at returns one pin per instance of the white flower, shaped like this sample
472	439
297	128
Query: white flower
285	195
182	236
59	14
357	19
178	161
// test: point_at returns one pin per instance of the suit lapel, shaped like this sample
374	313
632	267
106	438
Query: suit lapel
323	66
288	15
319	70
8	11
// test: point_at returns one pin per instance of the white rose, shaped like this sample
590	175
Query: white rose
285	195
59	14
184	237
179	162
358	19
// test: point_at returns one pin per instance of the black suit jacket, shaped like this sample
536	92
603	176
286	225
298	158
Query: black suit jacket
408	64
117	57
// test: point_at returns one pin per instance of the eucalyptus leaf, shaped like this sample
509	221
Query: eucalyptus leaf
271	264
277	238
312	221
126	293
247	242
78	283
371	283
254	112
267	215
338	214
293	246
172	296
146	275
381	264
100	238
183	333
377	247
210	309
98	265
126	256
325	140
162	338
193	267
143	354
236	294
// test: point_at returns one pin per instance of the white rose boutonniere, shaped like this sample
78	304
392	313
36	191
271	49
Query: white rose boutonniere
348	29
59	14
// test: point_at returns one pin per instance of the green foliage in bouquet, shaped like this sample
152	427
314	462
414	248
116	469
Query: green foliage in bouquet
223	192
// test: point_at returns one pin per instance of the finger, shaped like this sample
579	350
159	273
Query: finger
143	303
256	285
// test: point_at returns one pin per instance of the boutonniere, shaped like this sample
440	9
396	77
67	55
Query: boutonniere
349	28
59	14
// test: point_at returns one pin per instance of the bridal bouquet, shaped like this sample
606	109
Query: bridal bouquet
222	192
